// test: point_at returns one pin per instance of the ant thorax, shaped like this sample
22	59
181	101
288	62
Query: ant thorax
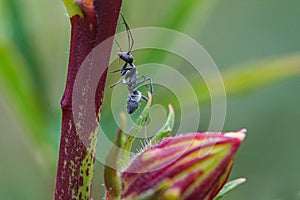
126	56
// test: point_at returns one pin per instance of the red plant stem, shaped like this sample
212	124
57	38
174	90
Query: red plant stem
83	95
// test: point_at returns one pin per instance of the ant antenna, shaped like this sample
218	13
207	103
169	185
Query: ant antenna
129	35
120	49
117	43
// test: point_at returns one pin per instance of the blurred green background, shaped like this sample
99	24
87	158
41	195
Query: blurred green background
254	43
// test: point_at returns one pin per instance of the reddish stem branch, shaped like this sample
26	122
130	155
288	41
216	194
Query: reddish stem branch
82	99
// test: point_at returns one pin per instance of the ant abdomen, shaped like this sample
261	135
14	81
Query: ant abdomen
133	101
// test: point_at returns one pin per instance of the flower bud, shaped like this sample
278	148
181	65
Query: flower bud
190	166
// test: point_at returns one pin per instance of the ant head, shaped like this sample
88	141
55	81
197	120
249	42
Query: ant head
126	56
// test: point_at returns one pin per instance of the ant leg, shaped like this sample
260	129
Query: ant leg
136	85
120	70
125	65
145	79
151	86
124	69
120	81
145	98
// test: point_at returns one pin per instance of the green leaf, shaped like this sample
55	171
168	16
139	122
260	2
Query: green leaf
178	17
179	13
247	78
18	90
165	131
136	129
111	176
254	76
229	186
72	8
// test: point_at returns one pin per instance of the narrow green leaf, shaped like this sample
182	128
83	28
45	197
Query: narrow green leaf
136	129
179	13
165	131
179	17
142	118
18	90
247	78
187	13
253	76
112	177
72	8
229	187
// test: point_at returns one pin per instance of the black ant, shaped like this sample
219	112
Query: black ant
131	78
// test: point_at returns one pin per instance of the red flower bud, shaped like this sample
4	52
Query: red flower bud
190	166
